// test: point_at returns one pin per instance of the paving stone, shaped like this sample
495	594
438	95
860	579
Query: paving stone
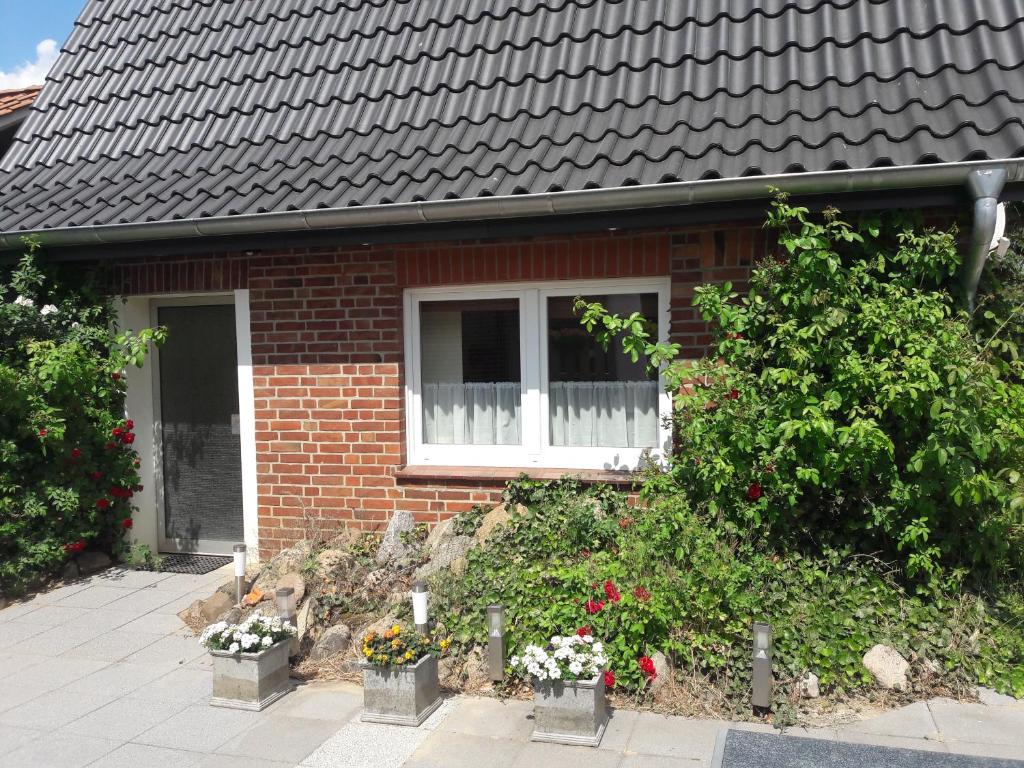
338	705
55	751
112	646
56	594
620	728
116	680
141	601
11	738
123	719
154	624
52	710
913	720
182	685
107	618
51	615
127	578
977	723
169	651
287	739
181	602
13	663
462	750
57	640
17	610
357	745
994	699
674	737
900	742
231	761
94	597
538	754
509	719
15	632
658	761
55	673
996	751
146	756
202	727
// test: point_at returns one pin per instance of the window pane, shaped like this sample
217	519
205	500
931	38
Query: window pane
597	397
470	372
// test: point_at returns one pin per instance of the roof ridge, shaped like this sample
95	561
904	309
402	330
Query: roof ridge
29	137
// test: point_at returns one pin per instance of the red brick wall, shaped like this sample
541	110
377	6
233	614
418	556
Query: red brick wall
327	352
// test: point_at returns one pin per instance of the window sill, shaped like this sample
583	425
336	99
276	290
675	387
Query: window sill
501	475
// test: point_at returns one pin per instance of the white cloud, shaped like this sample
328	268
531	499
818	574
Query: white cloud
31	72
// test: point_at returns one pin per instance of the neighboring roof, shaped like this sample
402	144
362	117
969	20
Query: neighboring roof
18	98
161	110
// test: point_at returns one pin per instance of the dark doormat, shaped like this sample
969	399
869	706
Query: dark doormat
196	564
746	749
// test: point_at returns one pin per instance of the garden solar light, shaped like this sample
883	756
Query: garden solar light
496	642
239	553
762	665
286	604
419	606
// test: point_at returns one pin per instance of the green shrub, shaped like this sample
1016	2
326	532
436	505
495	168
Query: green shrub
67	467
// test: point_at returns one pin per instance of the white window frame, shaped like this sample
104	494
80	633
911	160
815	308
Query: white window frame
533	345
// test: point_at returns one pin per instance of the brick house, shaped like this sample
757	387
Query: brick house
364	223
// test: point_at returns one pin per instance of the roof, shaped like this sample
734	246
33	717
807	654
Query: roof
163	110
18	98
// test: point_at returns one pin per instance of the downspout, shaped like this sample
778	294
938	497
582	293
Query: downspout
984	187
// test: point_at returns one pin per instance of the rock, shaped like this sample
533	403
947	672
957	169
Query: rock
449	672
458	566
450	550
475	670
193	615
215	606
289	560
334	564
345	539
809	686
380	625
304	621
334	640
92	561
887	667
497	517
391	546
662	672
70	572
441	533
296	582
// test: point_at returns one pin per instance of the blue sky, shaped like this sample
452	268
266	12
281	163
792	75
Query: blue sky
24	24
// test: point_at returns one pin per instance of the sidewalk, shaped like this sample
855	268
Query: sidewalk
102	673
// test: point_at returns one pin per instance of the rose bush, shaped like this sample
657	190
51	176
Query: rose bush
67	468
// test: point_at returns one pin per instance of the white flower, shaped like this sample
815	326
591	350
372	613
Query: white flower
22	301
598	648
576	668
48	309
233	648
268	641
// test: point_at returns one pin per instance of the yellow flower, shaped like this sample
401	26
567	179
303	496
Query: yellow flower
445	643
408	655
396	630
367	652
396	643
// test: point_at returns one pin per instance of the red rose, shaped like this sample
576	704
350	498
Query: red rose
585	554
115	376
611	591
97	475
117	431
647	667
129	438
74	547
734	394
129	424
593	606
583	631
754	492
103	503
127	523
42	433
75	453
111	446
609	679
641	594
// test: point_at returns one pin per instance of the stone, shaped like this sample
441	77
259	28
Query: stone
304	621
458	566
92	562
70	571
887	667
215	606
440	534
475	670
449	672
334	564
294	581
448	552
289	560
992	698
663	672
193	615
493	520
391	546
334	640
810	687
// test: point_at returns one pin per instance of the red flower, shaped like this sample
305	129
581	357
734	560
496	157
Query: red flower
103	503
42	433
734	394
641	594
127	523
129	424
97	475
647	667
754	492
75	547
583	631
115	376
625	522
117	431
128	438
585	554
111	446
75	453
609	679
593	606
611	591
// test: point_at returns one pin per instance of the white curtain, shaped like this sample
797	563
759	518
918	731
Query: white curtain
472	413
613	414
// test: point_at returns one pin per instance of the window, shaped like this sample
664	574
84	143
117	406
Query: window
508	377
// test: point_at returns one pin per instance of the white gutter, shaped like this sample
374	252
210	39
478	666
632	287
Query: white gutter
520	206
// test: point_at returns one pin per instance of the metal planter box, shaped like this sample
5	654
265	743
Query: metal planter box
569	711
401	695
250	681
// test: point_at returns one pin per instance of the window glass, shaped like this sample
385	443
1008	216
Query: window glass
599	397
471	382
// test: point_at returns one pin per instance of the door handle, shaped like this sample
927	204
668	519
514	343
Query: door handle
236	424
